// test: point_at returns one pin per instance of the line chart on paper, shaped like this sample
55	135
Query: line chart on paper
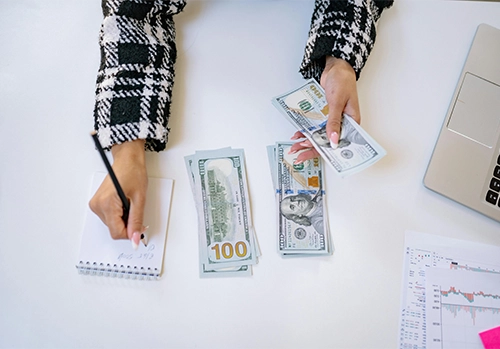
447	312
460	304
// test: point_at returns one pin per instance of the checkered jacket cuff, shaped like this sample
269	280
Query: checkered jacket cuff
136	75
343	29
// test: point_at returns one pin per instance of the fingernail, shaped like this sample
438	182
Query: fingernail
298	162
292	151
136	237
334	140
304	144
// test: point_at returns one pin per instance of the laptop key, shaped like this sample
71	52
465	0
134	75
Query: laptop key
496	172
492	197
495	184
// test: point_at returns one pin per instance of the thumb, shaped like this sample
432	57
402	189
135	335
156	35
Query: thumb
334	123
135	225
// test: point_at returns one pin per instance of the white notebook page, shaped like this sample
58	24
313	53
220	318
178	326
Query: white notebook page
101	255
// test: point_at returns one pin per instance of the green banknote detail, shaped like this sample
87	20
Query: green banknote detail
227	235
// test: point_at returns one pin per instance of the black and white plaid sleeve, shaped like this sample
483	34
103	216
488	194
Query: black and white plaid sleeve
343	29
136	75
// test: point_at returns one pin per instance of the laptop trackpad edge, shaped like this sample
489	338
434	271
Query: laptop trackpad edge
476	113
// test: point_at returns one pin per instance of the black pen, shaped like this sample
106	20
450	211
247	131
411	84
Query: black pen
121	194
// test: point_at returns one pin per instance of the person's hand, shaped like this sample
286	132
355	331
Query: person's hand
339	82
129	166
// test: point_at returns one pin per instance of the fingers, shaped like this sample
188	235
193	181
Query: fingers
297	135
135	225
300	146
108	207
306	149
116	226
306	155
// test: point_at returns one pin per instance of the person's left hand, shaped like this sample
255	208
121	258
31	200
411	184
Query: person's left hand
339	82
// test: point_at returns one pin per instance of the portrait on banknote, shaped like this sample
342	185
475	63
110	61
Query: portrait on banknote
320	137
304	210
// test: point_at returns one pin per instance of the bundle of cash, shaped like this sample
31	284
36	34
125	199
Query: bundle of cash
300	200
306	108
227	241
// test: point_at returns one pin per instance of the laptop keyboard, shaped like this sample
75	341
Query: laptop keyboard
494	191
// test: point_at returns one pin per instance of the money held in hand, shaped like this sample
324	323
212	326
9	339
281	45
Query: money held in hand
306	108
227	242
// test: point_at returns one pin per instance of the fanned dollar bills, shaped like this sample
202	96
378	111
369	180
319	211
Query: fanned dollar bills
306	108
301	208
227	241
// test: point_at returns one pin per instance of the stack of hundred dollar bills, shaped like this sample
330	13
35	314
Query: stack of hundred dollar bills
227	241
307	109
301	205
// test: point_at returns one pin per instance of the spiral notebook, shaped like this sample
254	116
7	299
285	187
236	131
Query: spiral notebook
103	256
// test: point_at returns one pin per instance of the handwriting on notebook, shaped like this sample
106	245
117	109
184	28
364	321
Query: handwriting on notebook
101	255
138	255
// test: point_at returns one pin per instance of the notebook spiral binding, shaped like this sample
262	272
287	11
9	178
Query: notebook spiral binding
118	271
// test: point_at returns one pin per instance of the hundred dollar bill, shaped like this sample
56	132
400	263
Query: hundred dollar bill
227	240
243	270
301	209
306	108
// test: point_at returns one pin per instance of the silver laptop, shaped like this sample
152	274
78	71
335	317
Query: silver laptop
465	164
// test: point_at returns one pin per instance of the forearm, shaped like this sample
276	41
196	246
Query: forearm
342	29
136	75
130	152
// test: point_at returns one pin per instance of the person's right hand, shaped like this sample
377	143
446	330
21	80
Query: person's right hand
339	82
129	166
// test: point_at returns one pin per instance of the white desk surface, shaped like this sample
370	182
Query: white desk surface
233	57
